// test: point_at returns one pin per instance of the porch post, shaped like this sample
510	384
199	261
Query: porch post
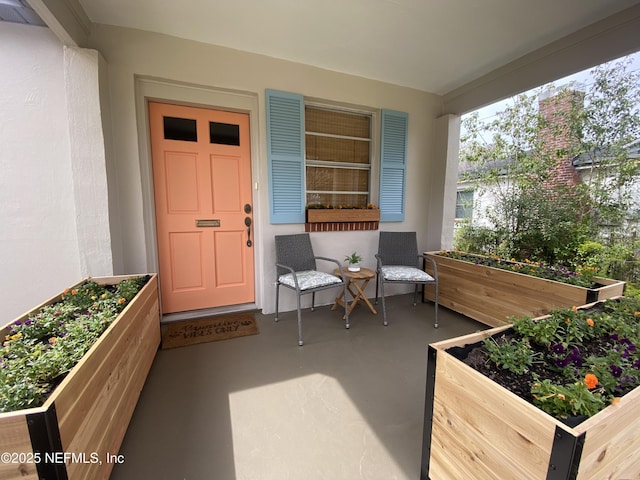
444	176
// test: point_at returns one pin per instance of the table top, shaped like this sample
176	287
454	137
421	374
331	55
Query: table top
363	274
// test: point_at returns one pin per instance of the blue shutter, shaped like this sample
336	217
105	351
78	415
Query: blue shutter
285	152
393	165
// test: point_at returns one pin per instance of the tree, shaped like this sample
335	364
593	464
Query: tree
522	164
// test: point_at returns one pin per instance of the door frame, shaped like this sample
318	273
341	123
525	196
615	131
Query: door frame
166	91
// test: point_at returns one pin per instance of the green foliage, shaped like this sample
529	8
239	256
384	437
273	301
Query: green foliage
38	351
531	216
353	258
513	355
564	401
580	360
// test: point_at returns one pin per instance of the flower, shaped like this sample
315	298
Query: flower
45	346
573	362
591	381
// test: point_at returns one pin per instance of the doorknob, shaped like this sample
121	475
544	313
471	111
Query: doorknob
247	222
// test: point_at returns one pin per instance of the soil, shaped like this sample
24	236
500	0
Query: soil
477	357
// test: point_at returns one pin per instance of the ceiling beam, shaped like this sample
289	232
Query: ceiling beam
603	41
66	19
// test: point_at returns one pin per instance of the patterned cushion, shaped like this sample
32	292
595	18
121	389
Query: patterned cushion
405	274
309	279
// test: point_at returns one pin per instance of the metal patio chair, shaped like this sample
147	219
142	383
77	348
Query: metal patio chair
296	269
398	263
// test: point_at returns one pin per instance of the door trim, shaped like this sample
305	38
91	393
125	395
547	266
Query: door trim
160	90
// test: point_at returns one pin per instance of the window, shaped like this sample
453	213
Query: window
336	165
464	204
338	157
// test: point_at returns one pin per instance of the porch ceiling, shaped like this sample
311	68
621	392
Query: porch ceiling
431	45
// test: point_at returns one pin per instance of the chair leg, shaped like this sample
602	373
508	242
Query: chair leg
313	301
377	284
436	305
415	296
277	298
300	342
346	307
384	305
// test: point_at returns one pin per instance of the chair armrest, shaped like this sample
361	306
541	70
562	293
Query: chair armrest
430	260
378	262
293	274
332	260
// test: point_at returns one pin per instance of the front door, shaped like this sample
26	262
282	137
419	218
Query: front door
204	216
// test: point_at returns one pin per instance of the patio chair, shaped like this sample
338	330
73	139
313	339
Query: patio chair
398	263
296	269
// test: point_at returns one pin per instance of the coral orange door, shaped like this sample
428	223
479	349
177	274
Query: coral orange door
204	215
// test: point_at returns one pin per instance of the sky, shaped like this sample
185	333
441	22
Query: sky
584	77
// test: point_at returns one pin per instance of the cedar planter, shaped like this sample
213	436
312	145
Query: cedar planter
85	418
339	215
475	428
492	295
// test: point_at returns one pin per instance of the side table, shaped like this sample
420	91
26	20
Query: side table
358	281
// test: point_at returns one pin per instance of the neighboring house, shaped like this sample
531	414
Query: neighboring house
88	164
473	199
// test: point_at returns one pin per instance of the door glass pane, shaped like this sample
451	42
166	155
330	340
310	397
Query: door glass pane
183	129
224	133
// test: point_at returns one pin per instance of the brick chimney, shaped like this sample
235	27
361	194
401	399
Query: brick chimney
557	106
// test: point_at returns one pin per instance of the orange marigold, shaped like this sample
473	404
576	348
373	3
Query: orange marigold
591	381
590	322
122	300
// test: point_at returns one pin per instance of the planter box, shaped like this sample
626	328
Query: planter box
84	420
320	215
474	428
492	295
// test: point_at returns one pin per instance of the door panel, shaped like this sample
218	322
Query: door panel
202	180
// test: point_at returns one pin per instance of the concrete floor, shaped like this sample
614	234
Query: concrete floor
348	405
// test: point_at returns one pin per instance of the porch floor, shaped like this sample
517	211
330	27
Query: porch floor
349	404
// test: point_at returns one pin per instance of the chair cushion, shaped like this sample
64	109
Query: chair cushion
405	274
309	279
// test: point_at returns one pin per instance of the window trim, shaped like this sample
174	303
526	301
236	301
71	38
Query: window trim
288	199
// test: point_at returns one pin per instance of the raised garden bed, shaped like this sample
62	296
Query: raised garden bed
475	428
77	432
491	295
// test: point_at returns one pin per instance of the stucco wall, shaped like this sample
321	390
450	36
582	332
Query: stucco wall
131	54
39	251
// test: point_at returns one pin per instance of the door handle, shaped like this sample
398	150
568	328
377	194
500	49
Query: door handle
247	222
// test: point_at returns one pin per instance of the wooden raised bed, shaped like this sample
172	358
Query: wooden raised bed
77	433
474	428
492	295
320	215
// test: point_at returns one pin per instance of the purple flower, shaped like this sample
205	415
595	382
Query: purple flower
558	348
616	371
573	357
636	364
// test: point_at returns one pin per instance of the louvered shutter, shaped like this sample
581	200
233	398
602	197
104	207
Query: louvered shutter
285	147
393	165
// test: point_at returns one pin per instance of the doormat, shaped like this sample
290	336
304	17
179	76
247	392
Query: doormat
210	329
